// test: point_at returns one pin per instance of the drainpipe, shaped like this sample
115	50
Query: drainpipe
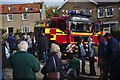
43	14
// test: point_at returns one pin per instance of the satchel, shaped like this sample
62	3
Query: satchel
53	75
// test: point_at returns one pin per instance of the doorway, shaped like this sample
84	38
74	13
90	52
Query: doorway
10	30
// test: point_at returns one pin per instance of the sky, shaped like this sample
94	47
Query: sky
48	2
32	0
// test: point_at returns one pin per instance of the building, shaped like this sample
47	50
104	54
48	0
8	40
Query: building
79	6
21	17
109	15
104	13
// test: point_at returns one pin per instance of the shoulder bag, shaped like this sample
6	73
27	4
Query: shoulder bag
53	75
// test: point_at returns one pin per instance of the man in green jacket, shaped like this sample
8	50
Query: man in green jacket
24	64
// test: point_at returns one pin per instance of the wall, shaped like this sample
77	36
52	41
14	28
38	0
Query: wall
80	5
17	22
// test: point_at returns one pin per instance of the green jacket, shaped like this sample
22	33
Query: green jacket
75	63
24	66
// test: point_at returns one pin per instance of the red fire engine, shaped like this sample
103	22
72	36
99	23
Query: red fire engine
67	29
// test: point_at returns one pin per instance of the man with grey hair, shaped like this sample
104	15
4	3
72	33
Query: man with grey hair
23	46
24	64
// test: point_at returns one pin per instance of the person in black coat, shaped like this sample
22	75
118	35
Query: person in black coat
5	56
43	47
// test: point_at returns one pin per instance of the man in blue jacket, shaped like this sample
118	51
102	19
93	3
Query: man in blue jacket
12	43
111	55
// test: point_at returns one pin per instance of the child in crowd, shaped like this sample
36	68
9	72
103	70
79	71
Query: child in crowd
74	67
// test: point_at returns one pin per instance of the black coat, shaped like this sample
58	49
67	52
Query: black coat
43	43
5	61
113	57
49	66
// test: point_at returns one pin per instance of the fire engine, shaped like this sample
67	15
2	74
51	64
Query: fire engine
66	30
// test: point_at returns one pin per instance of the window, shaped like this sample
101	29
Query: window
62	24
109	11
78	26
24	16
9	17
25	29
53	24
100	12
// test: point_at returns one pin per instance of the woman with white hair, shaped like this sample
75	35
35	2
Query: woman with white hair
53	64
24	64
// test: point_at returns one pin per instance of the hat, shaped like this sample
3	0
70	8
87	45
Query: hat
23	46
54	48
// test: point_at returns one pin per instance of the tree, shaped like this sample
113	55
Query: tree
52	12
4	31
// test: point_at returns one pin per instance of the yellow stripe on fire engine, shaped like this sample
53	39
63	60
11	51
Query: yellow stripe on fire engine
59	31
47	31
54	37
83	34
98	33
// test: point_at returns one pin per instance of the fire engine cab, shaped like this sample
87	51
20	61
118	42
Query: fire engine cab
67	29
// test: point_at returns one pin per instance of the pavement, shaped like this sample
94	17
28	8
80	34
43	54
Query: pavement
81	77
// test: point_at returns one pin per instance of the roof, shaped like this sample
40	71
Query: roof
107	1
94	1
20	8
76	1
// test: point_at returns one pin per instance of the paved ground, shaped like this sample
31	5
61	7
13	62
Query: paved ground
39	75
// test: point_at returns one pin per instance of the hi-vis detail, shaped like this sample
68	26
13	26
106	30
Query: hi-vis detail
67	29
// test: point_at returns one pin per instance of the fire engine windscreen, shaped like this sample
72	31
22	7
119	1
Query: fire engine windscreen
58	23
80	24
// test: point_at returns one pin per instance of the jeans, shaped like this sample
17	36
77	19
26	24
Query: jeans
3	74
83	58
45	55
92	67
72	70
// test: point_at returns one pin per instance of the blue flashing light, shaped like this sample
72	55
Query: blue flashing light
72	12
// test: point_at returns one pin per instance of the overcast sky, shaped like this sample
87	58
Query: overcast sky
51	2
30	1
48	2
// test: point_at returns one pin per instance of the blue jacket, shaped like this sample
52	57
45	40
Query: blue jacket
91	49
12	42
82	50
112	48
101	48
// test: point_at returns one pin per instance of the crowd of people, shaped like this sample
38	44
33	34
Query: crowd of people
26	53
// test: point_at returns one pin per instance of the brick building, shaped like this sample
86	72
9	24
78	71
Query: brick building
21	17
85	5
109	14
